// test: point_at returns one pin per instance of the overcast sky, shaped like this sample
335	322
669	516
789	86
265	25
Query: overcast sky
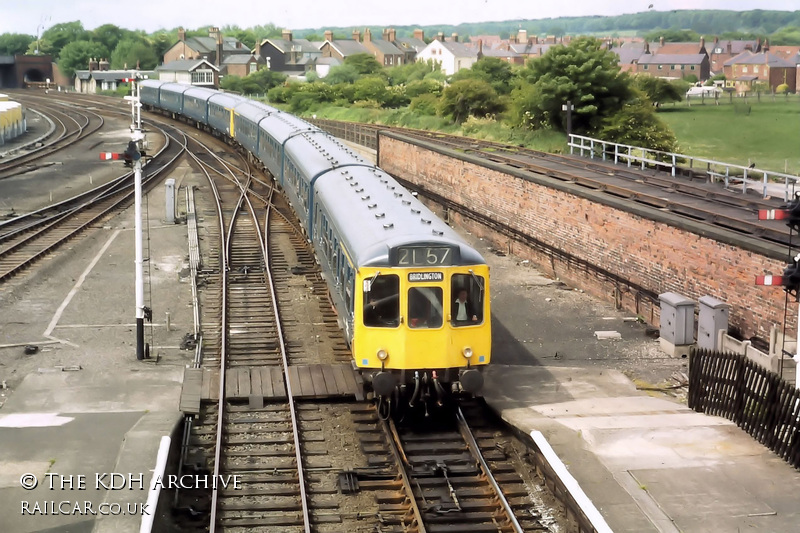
21	16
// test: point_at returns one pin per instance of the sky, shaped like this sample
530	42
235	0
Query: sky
21	16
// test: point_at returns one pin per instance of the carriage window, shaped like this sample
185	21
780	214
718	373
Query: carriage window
467	295
381	301
425	307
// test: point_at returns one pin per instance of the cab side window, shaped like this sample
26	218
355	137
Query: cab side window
382	301
467	300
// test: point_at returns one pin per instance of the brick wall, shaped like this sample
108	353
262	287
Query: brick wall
601	244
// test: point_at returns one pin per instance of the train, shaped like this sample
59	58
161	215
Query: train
411	295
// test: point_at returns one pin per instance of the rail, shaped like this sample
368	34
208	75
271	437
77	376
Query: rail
733	176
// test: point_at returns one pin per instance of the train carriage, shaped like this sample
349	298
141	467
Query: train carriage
309	156
398	273
220	112
195	103
246	117
171	97
149	92
274	132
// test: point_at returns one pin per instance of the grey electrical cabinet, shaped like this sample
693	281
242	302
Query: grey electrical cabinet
169	187
713	317
677	319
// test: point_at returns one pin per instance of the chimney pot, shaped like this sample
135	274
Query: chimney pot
454	37
356	35
329	35
286	35
419	34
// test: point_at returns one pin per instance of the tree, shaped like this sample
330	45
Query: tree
370	88
637	124
342	74
492	70
658	90
363	64
161	41
130	53
469	97
15	43
110	36
582	73
75	56
420	87
60	35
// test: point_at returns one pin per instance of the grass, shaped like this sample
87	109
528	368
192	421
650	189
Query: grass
766	133
487	129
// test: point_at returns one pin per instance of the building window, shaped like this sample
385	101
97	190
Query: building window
744	70
691	68
683	67
661	67
203	77
645	67
755	69
253	67
674	67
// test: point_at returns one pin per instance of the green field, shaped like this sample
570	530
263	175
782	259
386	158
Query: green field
766	133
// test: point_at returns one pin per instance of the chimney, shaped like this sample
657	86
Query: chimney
368	35
522	36
181	34
329	35
92	64
213	31
440	36
356	36
103	65
480	48
766	44
661	41
219	48
385	34
702	42
286	35
392	35
454	37
729	47
535	39
646	47
419	34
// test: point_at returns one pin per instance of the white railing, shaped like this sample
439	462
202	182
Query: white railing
768	182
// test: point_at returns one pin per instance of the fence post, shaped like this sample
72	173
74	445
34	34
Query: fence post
673	164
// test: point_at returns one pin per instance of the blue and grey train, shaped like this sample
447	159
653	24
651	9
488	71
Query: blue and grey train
411	295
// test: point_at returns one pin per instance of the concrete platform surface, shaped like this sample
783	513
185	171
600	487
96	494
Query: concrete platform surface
83	406
649	463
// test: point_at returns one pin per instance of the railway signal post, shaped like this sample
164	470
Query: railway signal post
790	279
133	158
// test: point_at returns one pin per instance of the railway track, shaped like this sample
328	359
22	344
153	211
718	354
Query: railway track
25	239
447	472
687	196
72	124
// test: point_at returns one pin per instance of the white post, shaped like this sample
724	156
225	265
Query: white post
137	166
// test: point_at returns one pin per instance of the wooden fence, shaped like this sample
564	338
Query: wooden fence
757	400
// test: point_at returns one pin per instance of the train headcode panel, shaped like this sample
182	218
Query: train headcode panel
420	256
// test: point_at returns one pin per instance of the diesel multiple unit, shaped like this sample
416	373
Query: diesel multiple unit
412	296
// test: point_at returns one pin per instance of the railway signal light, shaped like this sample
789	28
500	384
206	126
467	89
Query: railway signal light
790	280
790	213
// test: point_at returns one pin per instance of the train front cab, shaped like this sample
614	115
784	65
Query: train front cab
408	326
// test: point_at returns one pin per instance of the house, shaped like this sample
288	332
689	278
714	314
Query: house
341	48
324	65
289	55
748	68
411	45
385	50
215	48
451	55
673	65
100	78
240	65
192	71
